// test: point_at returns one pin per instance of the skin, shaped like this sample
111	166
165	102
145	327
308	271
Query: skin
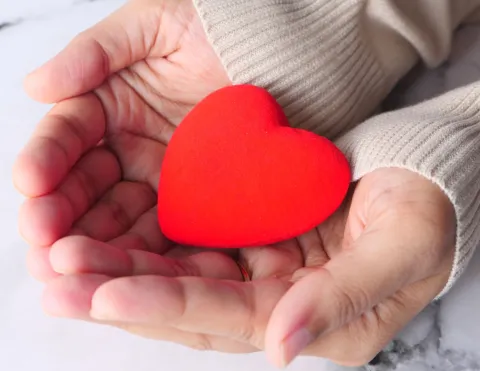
89	174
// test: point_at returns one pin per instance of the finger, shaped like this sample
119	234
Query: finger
224	308
117	211
381	263
70	296
75	255
358	342
133	149
43	220
69	130
145	234
294	258
314	254
280	260
38	264
312	248
79	254
118	41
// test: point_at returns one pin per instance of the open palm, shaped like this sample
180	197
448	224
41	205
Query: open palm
361	276
93	164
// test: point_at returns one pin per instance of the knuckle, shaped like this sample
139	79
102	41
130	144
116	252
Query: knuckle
201	343
348	300
248	328
119	214
345	307
387	312
185	267
251	328
85	183
250	334
182	310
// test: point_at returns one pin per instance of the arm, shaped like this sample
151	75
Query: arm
333	64
439	139
329	62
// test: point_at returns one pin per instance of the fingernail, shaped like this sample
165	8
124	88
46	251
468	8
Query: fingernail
294	344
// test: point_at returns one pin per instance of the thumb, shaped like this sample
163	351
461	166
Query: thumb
123	38
380	262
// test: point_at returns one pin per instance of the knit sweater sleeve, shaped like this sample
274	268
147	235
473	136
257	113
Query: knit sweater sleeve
439	139
330	63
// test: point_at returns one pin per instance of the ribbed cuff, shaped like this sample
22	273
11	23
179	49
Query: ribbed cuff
439	139
311	55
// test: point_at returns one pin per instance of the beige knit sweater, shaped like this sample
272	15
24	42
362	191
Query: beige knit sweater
330	63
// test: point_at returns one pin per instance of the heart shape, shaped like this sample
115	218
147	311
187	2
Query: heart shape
235	174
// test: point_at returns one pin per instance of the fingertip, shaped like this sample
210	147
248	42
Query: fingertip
80	254
38	264
44	220
23	176
111	301
39	168
34	87
291	347
132	299
42	84
80	67
71	296
281	350
295	322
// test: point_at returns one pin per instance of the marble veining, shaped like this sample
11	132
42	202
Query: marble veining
4	25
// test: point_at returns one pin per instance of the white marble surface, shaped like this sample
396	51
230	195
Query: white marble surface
449	337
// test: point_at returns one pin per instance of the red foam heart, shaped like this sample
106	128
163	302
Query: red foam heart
235	174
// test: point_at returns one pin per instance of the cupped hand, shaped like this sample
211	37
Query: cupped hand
92	165
90	174
341	291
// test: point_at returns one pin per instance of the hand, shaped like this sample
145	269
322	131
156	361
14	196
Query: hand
92	165
341	291
90	173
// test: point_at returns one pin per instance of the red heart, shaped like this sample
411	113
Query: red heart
236	175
